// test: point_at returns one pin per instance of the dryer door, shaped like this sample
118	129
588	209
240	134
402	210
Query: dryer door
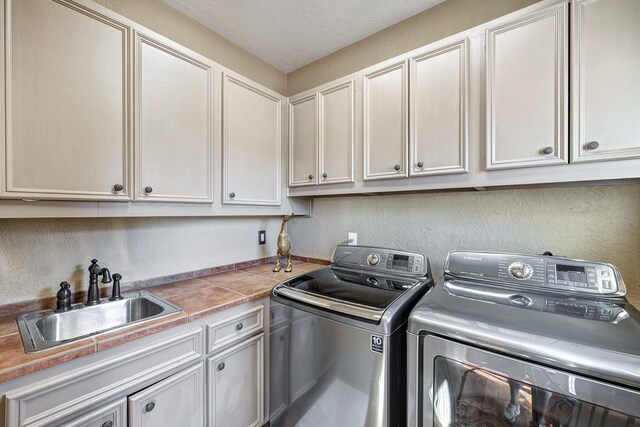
463	386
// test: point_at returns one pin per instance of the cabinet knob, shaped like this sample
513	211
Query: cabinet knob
593	145
324	175
397	167
310	176
107	424
148	189
420	164
547	150
232	195
149	406
221	366
239	326
118	188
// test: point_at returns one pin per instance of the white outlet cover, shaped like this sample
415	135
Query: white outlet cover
352	239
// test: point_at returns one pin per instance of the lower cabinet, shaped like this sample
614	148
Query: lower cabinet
236	385
175	401
113	414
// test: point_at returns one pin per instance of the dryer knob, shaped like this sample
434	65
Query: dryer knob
373	259
521	270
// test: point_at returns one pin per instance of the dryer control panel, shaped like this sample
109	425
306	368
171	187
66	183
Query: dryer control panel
381	260
556	274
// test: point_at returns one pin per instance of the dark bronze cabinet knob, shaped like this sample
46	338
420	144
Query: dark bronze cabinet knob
118	188
232	195
221	366
397	167
593	145
107	424
149	406
310	176
239	326
324	175
547	150
148	189
420	164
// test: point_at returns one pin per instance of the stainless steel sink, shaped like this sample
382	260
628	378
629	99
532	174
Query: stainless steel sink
45	329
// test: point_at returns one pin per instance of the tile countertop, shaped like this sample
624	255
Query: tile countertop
197	297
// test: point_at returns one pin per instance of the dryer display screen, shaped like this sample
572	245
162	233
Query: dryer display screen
571	273
401	261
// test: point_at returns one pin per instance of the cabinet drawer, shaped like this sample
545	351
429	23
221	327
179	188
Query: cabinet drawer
233	329
113	414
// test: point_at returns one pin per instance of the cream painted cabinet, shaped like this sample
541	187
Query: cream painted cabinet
236	385
336	139
174	124
251	143
606	87
321	129
526	84
67	98
303	143
175	401
385	108
113	414
438	97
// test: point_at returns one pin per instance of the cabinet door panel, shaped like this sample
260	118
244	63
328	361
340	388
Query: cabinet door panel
385	124
235	380
438	122
174	124
251	144
113	414
606	60
304	141
336	134
67	95
175	401
527	91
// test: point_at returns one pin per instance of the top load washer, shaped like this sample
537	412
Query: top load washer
526	340
338	339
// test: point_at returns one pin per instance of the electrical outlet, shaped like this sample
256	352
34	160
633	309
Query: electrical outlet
262	237
352	239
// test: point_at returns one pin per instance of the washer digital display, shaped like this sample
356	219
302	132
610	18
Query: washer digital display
400	261
571	273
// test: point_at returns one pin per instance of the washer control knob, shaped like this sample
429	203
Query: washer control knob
373	259
521	270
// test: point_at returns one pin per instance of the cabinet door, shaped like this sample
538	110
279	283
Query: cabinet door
385	123
303	144
336	133
113	414
251	142
236	385
67	93
174	138
175	401
438	122
527	74
606	87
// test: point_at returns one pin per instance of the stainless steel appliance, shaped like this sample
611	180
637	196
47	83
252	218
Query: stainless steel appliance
338	339
525	340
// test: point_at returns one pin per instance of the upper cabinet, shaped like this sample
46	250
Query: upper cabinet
173	123
438	97
251	143
606	87
67	97
385	106
321	132
526	91
303	141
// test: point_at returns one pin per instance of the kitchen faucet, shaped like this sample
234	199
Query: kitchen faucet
93	295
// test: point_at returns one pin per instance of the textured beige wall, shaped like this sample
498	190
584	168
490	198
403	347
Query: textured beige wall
37	254
440	21
165	20
598	223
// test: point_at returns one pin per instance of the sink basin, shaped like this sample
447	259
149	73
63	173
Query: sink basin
45	329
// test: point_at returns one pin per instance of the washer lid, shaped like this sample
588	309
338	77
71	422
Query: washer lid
599	337
359	294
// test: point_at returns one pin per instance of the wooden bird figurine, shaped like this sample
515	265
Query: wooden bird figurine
284	246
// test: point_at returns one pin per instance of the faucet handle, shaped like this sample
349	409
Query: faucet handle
115	290
94	267
63	298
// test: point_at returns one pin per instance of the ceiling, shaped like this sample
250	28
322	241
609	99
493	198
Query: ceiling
291	33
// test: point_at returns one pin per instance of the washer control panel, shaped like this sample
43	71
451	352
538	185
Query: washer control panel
537	271
380	260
